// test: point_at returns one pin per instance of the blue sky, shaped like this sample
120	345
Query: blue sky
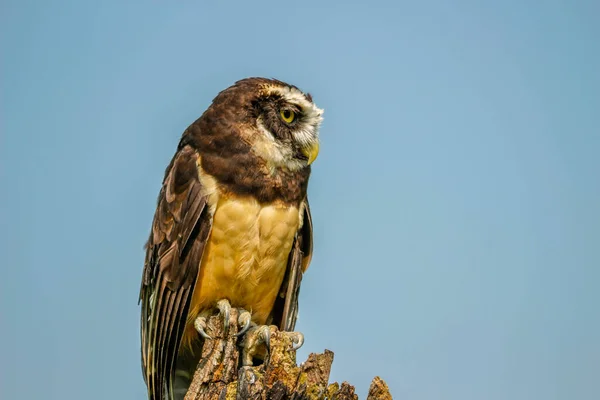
456	199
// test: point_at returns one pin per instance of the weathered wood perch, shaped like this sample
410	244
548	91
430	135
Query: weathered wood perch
218	375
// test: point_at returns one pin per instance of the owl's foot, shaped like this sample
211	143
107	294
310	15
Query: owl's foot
256	344
224	308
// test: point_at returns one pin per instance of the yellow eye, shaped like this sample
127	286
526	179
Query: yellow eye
288	116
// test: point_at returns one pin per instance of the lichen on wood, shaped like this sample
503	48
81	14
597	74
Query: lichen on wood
219	375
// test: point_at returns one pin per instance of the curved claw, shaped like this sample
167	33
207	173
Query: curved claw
244	320
200	325
265	335
298	340
225	309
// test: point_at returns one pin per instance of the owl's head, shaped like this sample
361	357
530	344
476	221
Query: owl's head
278	120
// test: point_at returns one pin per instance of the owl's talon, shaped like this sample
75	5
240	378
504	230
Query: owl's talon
265	335
244	321
225	310
256	344
297	339
200	325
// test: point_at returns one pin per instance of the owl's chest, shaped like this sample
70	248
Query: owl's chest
249	239
246	254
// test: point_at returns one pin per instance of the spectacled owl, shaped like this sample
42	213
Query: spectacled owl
232	227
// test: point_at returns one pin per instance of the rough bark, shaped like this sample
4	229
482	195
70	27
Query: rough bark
219	376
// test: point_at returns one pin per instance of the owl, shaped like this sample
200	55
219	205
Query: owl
232	228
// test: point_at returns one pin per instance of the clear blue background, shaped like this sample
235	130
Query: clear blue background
456	199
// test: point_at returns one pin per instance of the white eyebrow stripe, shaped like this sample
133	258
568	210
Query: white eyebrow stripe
313	113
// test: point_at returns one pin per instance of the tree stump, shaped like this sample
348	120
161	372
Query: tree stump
219	376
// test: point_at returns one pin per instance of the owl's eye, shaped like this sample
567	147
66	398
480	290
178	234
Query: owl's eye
288	116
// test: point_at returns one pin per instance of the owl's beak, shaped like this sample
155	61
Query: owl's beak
311	152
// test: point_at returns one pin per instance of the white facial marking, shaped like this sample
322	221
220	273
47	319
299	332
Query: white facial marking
270	149
306	133
313	115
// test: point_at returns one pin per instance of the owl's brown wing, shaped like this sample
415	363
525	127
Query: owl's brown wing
285	311
179	232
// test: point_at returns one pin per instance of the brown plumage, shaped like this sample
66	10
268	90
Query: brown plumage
232	221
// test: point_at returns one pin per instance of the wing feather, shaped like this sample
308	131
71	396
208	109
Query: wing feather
285	311
173	253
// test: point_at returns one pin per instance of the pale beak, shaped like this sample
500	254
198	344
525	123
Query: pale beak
311	152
